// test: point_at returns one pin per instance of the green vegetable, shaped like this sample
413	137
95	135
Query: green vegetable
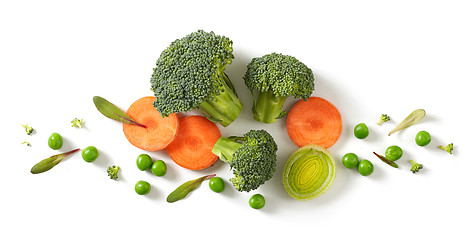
257	201
393	153
189	75
251	157
55	141
144	161
415	166
350	160
423	138
186	188
111	111
113	172
410	120
449	148
390	163
216	184
29	130
365	167
27	143
77	123
90	154
159	168
273	78
309	172
142	187
50	162
383	118
361	131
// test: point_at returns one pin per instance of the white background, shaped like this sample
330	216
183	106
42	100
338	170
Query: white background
368	57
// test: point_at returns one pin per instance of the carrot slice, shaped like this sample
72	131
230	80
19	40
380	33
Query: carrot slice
192	146
315	121
159	132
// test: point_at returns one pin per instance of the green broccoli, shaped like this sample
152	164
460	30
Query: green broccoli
383	118
251	157
27	143
29	130
113	171
77	123
189	75
274	77
415	166
449	148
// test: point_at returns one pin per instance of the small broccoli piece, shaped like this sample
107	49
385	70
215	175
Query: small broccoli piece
29	130
113	171
77	123
27	143
189	75
274	77
383	118
449	148
415	166
252	158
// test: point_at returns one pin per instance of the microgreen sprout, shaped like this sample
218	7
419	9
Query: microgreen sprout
27	143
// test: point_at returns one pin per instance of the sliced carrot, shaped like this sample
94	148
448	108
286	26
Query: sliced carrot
159	132
192	146
315	121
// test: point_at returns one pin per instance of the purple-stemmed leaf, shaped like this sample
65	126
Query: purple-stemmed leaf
48	163
186	188
113	112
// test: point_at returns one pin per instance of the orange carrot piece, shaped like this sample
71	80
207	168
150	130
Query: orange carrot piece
192	146
159	132
315	121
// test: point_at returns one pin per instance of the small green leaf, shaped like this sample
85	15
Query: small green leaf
390	163
410	120
50	162
111	111
186	188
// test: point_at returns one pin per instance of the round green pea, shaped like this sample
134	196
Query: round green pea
159	168
257	201
55	141
361	131
423	138
393	153
216	184
350	160
142	187
365	167
90	154
144	162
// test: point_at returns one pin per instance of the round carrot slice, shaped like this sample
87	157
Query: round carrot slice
192	146
159	132
315	121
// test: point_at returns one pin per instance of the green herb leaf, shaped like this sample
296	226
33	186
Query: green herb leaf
390	163
410	120
50	162
186	188
111	111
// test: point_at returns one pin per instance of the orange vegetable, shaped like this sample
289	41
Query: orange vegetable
192	146
315	121
159	131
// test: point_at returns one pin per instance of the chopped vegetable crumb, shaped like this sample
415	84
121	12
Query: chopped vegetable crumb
29	130
77	123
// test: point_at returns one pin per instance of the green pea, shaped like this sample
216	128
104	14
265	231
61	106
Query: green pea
216	184
159	168
423	138
257	201
142	187
361	131
144	162
55	141
350	160
365	167
90	154
393	153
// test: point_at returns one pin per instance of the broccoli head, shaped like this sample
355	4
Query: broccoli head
415	166
252	158
189	74
383	118
274	77
113	172
449	148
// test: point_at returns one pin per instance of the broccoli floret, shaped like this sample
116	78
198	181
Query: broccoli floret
77	123
113	171
27	143
415	166
449	148
274	77
383	118
29	130
252	158
189	75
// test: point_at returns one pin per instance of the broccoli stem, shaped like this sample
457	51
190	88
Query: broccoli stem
268	107
225	107
225	147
